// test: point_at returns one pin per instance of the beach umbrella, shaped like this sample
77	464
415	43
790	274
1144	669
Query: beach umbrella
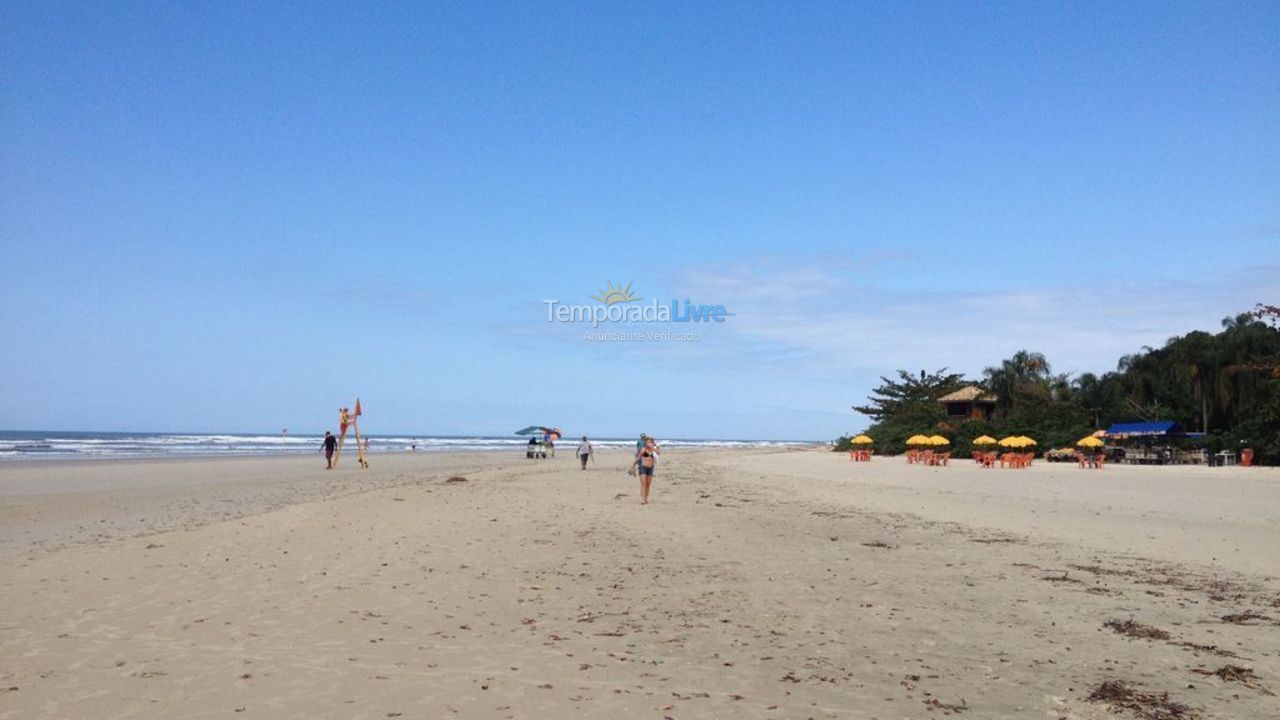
1099	433
1026	441
539	430
918	440
938	440
862	440
1089	442
984	440
1011	441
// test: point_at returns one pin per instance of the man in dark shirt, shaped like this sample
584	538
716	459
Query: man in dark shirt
330	444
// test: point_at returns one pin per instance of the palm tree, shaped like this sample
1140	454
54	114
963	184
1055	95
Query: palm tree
1196	354
1018	375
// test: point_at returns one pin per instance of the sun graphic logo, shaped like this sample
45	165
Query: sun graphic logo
611	294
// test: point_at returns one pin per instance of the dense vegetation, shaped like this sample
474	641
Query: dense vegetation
1226	385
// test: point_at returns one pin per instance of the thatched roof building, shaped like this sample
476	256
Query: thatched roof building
969	403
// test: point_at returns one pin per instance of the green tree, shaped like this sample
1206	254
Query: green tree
894	396
907	406
1026	373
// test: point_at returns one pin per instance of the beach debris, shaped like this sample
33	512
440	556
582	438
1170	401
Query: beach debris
591	617
1099	570
946	708
1211	649
1245	618
1136	630
456	479
995	540
1064	577
1119	695
1234	673
878	544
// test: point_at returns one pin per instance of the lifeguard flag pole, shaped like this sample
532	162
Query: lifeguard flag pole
355	426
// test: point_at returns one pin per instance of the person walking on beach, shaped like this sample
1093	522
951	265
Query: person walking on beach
646	460
585	451
328	447
635	463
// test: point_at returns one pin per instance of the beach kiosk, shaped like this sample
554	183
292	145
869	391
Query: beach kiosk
969	403
541	441
1161	442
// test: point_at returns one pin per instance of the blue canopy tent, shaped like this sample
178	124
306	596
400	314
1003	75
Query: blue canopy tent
1155	442
1158	428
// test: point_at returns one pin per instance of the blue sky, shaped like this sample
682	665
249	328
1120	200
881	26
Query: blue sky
236	216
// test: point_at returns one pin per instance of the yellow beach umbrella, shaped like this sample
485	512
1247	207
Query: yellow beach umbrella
938	440
1011	441
984	440
1089	442
1026	441
862	440
917	440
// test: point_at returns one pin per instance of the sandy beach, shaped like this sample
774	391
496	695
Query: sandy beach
759	584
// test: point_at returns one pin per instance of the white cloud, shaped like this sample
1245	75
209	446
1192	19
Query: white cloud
822	321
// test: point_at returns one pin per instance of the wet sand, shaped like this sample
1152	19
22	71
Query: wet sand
759	584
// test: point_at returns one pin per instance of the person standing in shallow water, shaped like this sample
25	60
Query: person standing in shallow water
328	447
646	461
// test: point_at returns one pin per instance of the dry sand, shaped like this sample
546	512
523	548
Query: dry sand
760	584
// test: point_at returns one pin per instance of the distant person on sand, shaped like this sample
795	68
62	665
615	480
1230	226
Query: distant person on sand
646	460
585	451
328	447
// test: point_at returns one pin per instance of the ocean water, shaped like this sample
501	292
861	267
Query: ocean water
34	445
